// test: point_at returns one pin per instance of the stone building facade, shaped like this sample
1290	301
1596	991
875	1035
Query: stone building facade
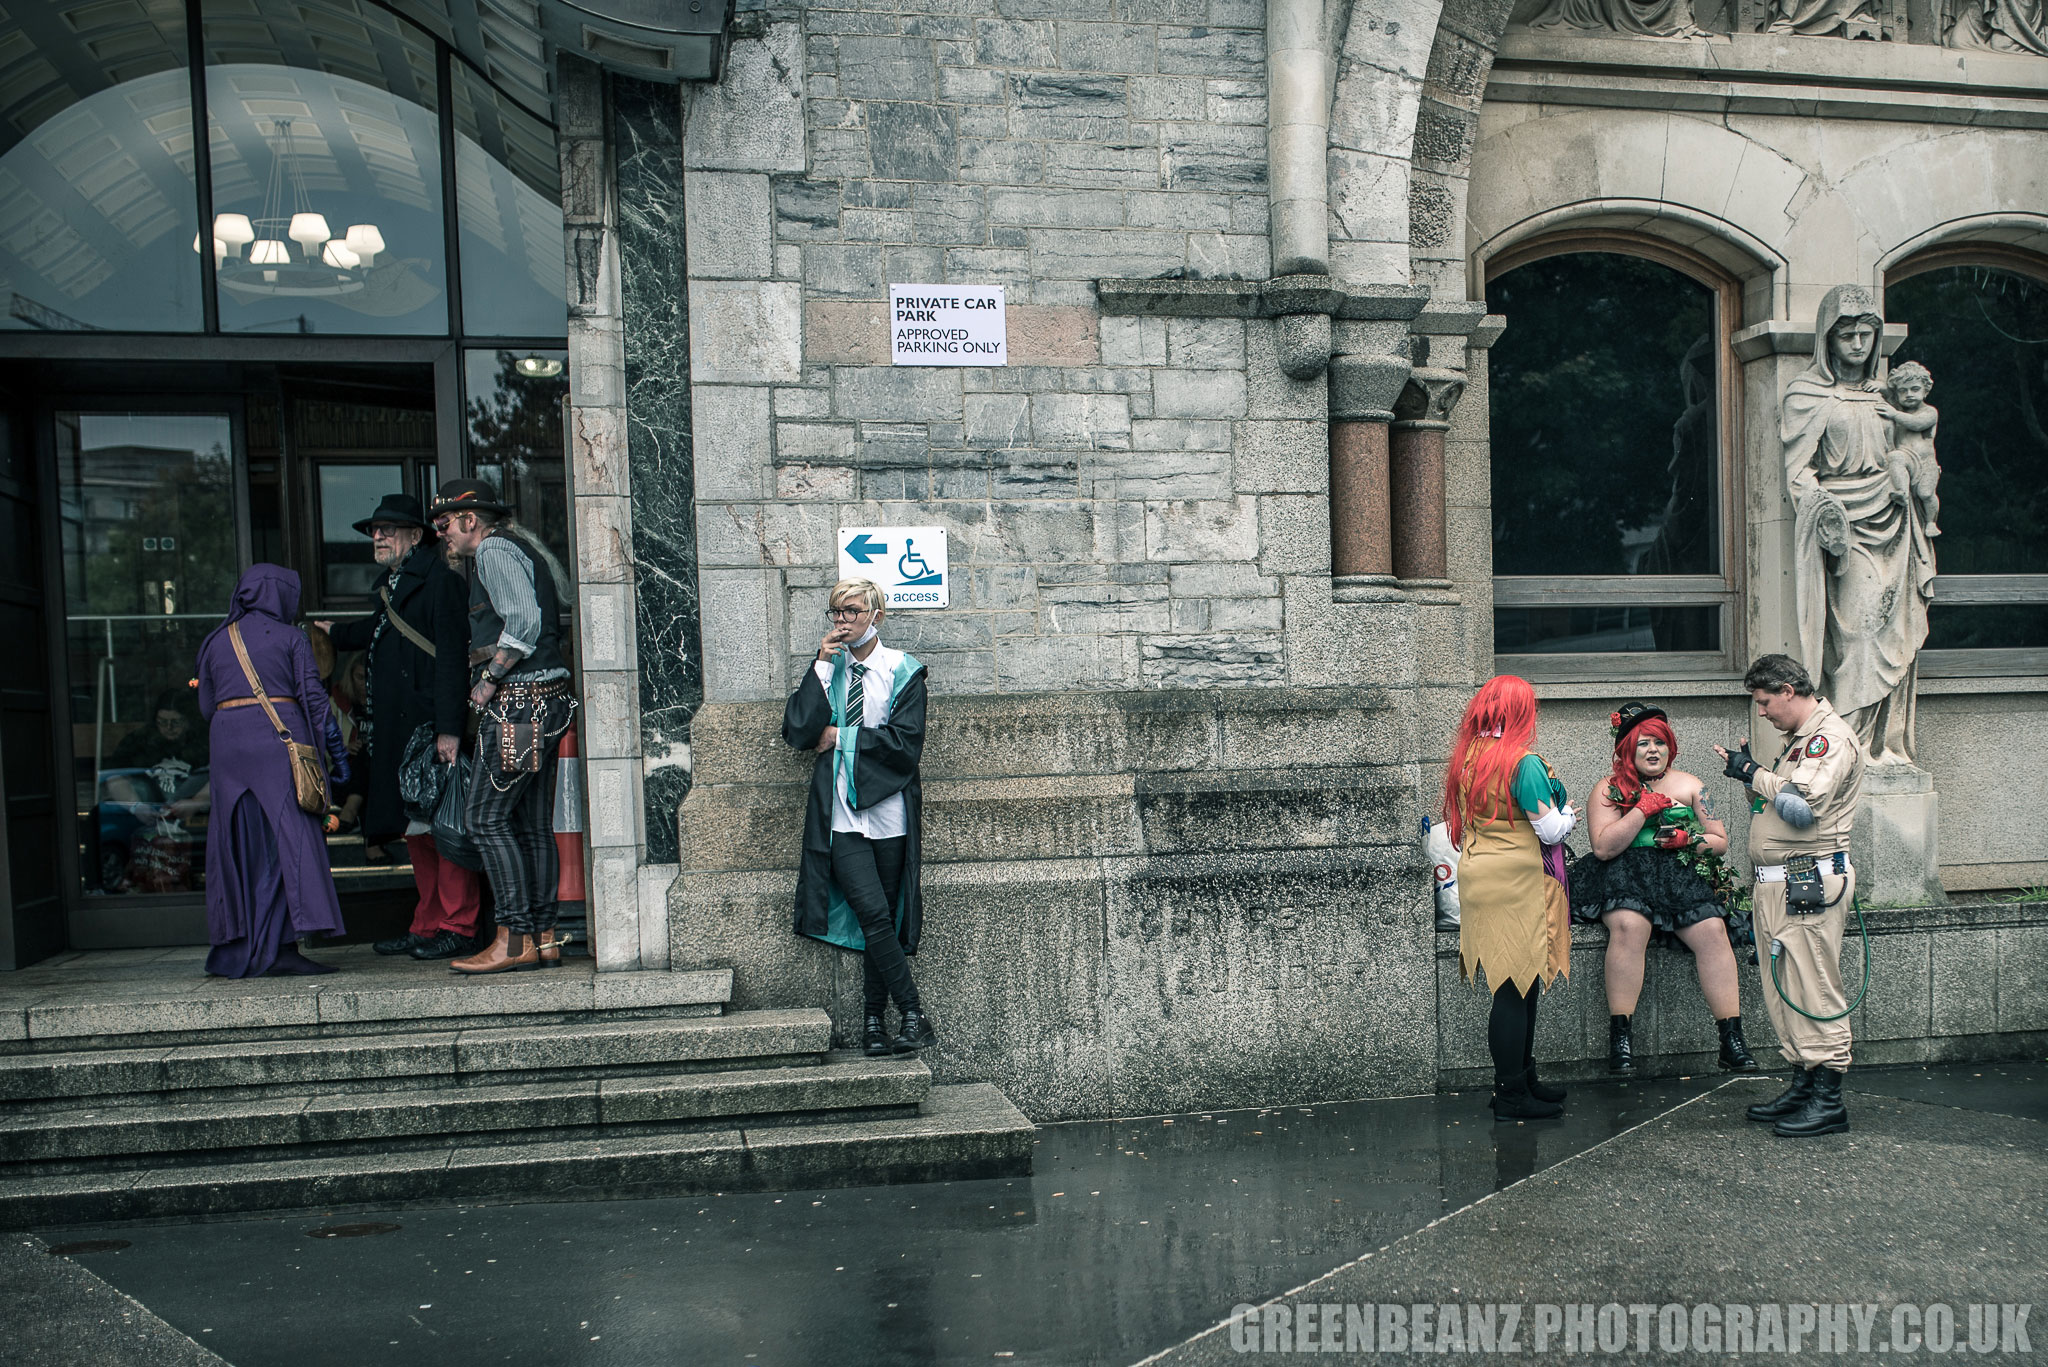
1223	530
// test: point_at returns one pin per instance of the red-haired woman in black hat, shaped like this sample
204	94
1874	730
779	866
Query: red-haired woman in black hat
1656	872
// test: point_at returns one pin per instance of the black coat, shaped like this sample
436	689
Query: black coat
885	763
408	688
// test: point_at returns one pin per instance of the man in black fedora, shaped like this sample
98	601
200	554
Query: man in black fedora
418	644
524	702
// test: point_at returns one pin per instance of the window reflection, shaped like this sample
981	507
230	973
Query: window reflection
349	493
326	170
508	193
1604	413
514	409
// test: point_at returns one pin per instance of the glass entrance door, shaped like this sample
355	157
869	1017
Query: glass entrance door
151	545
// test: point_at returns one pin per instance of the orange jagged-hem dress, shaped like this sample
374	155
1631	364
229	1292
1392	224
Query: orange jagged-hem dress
1515	923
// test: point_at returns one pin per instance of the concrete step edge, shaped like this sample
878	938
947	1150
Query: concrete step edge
279	1123
963	1132
150	1072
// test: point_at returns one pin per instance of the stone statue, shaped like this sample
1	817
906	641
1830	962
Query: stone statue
1998	26
1639	18
1915	471
1821	18
1863	564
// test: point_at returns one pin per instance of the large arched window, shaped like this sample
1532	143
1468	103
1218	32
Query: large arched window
1977	318
1609	425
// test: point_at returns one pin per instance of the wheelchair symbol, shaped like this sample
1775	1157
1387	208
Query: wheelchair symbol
912	568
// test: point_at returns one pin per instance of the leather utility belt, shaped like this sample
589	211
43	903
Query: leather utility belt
532	692
1805	893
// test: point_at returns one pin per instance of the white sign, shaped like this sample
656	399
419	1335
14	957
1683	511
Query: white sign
908	563
947	325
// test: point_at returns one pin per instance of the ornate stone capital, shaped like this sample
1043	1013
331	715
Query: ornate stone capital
1428	397
1364	388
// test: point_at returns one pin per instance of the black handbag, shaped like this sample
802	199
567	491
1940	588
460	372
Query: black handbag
421	776
451	821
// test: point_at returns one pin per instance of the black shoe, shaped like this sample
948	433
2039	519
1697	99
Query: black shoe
1823	1112
1512	1100
445	945
1789	1102
1538	1088
1735	1055
1621	1049
402	944
875	1041
917	1032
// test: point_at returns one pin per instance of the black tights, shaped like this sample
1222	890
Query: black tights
1511	1030
870	875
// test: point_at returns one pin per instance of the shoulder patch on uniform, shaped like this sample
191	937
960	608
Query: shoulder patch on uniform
1816	747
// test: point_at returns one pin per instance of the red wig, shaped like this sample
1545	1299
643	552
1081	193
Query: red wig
1625	776
1497	729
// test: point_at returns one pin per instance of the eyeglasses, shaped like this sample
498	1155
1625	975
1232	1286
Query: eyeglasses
846	614
384	529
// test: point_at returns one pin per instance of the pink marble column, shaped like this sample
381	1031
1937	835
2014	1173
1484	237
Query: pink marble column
1361	542
1416	484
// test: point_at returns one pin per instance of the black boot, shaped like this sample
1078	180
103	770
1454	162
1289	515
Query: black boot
1735	1055
445	945
1512	1101
1621	1050
401	944
917	1033
1538	1088
1789	1102
875	1041
1823	1112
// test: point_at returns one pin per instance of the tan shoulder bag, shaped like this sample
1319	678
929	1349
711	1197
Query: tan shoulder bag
309	773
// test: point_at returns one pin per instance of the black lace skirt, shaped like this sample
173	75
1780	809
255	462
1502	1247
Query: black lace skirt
1653	882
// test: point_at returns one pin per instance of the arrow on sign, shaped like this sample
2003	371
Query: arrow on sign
864	550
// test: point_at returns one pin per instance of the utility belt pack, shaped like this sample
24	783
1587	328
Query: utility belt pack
1805	892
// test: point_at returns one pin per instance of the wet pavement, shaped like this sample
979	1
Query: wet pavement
1131	1237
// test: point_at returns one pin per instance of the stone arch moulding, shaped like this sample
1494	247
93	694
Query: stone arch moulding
1758	267
2016	232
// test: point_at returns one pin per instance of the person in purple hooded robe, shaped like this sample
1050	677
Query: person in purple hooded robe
268	881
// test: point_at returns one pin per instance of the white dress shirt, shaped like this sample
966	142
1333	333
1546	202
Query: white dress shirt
888	818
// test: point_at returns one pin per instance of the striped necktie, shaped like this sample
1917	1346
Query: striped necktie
856	697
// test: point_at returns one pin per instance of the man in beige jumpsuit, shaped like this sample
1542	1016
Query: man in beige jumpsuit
1805	802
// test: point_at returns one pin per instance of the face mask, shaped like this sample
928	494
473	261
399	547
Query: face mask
869	636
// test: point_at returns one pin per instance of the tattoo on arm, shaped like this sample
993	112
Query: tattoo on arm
507	659
1706	806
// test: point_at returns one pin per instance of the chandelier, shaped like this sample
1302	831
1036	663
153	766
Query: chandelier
324	265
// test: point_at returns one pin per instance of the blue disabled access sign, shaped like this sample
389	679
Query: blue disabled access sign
909	563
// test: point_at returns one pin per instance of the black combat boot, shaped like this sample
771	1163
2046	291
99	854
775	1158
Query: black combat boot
1735	1055
1823	1112
1789	1102
1538	1088
1621	1050
875	1041
917	1033
1512	1100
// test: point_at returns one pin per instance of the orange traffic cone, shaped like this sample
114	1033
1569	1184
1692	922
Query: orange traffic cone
569	820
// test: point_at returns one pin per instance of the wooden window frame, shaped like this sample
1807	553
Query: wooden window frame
1981	589
1724	589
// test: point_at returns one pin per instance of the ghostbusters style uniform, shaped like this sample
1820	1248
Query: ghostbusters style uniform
1822	764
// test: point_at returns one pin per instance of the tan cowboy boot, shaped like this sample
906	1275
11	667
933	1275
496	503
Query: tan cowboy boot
510	952
550	949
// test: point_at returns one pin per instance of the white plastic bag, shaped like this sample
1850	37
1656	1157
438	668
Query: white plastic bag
1443	856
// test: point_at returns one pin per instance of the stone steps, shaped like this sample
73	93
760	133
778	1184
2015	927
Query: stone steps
250	1068
959	1133
326	1122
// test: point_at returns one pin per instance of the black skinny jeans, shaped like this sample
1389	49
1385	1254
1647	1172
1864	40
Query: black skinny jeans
870	875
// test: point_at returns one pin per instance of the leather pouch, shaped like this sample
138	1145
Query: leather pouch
1806	894
519	747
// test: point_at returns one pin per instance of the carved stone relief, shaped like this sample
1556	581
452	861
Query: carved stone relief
1860	472
2016	26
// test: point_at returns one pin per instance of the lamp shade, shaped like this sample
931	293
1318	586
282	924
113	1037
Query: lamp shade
234	229
270	252
364	240
308	230
339	256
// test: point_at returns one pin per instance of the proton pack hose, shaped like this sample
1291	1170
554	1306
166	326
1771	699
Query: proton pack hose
1863	929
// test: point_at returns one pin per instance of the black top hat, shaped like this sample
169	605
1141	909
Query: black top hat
468	496
1630	714
402	509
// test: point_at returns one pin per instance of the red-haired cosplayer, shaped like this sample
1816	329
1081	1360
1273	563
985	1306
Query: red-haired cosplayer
1656	872
1509	815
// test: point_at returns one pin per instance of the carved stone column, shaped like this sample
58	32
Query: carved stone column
1362	393
1416	476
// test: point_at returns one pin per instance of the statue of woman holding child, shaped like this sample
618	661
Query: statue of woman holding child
1860	469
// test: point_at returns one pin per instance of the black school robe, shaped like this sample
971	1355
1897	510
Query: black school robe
408	687
878	761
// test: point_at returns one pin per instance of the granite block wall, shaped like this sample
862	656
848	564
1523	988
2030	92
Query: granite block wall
1132	502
